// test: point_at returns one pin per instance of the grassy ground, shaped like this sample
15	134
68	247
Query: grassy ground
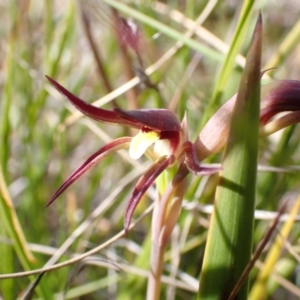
43	140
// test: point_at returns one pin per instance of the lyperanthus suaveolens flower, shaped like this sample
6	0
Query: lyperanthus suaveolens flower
282	96
280	107
158	127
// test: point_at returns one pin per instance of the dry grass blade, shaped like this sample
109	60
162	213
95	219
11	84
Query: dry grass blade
259	286
79	257
258	251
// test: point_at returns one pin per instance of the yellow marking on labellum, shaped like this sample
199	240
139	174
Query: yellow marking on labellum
141	142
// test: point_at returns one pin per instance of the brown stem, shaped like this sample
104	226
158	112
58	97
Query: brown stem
258	252
162	227
156	267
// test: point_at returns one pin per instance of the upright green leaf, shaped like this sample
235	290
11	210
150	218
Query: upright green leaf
229	62
229	243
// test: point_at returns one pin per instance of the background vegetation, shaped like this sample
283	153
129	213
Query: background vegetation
43	140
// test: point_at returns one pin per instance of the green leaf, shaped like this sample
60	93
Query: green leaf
229	243
229	62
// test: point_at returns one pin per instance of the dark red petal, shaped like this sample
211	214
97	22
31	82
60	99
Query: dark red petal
173	137
113	146
281	92
143	184
129	34
279	96
156	119
193	163
98	114
267	113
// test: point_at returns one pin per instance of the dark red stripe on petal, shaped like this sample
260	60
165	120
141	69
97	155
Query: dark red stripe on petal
173	137
267	113
143	184
281	92
156	119
277	97
193	163
96	113
114	146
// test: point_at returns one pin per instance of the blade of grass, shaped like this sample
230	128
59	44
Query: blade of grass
285	267
272	184
229	62
6	286
13	227
5	131
259	289
49	28
286	284
258	252
135	286
53	64
229	243
10	221
203	34
54	49
168	31
7	94
284	49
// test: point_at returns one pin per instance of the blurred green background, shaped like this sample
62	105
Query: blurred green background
41	142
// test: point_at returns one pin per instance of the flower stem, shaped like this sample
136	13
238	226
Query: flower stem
165	215
156	267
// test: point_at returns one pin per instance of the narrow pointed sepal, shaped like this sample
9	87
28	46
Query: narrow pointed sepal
114	146
96	113
143	184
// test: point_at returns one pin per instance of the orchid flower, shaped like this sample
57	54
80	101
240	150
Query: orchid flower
158	127
277	97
